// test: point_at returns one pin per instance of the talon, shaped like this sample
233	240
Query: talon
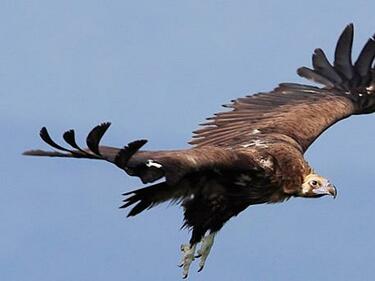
203	252
199	253
188	255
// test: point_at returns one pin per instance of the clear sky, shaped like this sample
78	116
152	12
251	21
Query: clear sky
156	69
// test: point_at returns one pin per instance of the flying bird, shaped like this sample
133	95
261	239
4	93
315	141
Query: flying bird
253	153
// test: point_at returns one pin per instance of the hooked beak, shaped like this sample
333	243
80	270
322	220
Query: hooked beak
328	189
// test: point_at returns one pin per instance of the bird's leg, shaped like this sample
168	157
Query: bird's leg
188	252
204	251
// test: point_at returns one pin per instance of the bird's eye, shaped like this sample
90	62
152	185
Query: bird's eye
313	183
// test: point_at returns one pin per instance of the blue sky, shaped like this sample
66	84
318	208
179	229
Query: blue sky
156	69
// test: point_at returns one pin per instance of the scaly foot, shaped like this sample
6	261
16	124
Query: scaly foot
204	251
188	252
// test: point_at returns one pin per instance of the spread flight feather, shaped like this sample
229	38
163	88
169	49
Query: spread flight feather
249	155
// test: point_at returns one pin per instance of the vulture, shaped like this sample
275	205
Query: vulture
252	153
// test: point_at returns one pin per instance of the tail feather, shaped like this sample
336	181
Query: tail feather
148	197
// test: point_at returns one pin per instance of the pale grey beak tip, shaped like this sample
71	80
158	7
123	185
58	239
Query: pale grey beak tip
333	191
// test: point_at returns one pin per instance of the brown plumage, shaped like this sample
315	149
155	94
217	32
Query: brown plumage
251	154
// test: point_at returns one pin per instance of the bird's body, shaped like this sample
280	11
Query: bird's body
252	154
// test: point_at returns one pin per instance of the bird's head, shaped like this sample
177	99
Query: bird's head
315	186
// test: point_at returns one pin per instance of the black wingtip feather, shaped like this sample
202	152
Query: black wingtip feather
343	53
136	145
92	140
343	75
127	204
146	197
47	139
128	193
69	137
141	206
94	137
322	65
366	57
122	158
313	75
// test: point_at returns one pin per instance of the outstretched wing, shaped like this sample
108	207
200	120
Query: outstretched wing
298	114
149	166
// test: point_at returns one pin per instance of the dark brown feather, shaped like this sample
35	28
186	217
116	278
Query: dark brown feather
127	152
322	65
299	112
343	53
44	135
150	196
314	76
69	137
94	137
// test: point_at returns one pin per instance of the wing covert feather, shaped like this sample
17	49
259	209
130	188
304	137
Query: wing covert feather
297	113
